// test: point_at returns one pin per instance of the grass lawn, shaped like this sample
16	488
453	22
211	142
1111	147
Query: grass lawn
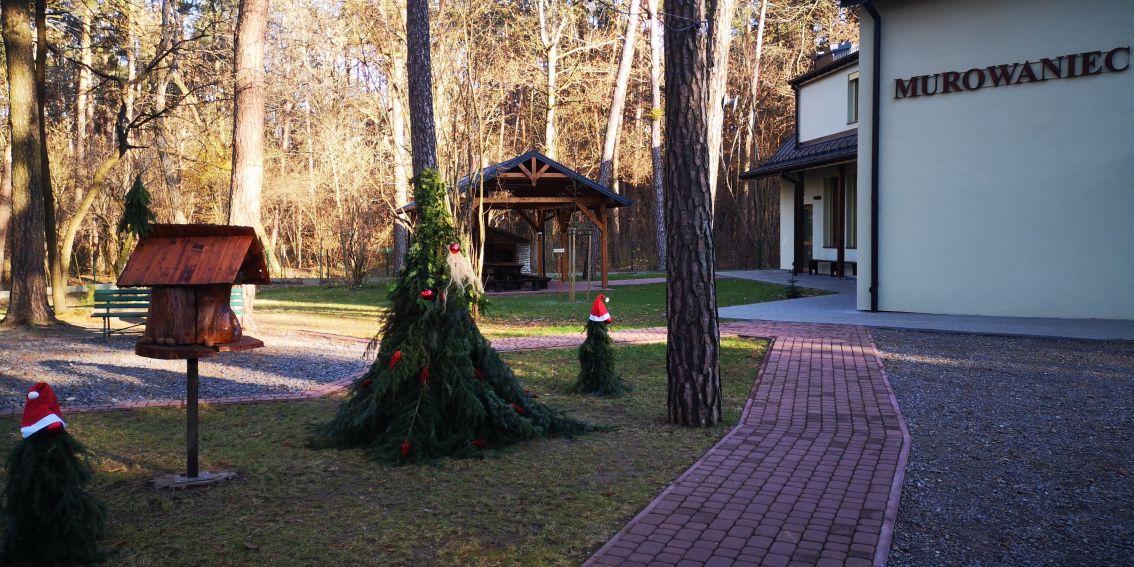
541	503
358	312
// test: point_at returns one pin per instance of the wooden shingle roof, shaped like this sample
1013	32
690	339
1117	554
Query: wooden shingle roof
197	254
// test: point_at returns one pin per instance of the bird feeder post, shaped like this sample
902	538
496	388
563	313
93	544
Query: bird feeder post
192	269
192	387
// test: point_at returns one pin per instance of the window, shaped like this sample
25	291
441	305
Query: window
850	209
830	189
852	98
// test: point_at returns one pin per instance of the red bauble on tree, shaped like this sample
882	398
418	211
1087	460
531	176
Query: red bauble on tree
427	294
395	358
480	443
455	248
423	376
406	446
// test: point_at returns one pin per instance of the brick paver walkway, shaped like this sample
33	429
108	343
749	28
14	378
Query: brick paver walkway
810	476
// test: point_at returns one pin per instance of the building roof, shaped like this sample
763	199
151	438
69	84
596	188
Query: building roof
534	175
196	254
823	151
827	68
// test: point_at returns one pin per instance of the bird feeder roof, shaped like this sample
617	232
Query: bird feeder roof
197	254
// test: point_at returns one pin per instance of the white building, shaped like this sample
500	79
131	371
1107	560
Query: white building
996	155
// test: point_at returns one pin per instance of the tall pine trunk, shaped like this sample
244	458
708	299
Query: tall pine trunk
164	136
656	133
28	303
607	176
693	65
248	129
5	203
618	99
51	232
397	110
423	139
84	107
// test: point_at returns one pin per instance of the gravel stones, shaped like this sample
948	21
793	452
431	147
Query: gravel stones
1022	453
85	371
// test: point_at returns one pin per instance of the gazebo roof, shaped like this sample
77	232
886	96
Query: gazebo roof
534	181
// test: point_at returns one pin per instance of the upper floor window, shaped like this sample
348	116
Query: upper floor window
852	98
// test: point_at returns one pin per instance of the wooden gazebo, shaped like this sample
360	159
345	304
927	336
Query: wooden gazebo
538	189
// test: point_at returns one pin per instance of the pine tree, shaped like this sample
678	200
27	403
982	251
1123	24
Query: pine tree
437	388
137	217
597	374
50	516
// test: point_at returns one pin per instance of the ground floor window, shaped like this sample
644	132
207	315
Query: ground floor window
850	209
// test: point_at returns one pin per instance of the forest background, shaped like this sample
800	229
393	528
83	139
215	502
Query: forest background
145	88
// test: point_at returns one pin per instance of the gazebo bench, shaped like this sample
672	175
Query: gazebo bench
516	283
134	303
813	266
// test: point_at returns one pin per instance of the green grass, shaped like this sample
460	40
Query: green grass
541	503
358	312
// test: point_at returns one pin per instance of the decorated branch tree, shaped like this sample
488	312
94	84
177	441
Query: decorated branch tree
50	515
597	374
137	217
437	388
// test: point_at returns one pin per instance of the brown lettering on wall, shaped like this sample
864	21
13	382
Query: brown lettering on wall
1091	63
973	79
925	84
1055	66
902	89
1072	61
1109	62
1068	66
1027	75
950	79
1002	74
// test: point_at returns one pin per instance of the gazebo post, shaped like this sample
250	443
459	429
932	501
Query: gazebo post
562	220
605	243
540	243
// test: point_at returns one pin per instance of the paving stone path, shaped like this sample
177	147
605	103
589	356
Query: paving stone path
810	476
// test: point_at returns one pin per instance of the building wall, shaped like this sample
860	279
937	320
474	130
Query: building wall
787	224
1013	200
823	105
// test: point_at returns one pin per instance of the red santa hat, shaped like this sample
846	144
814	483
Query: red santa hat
41	412
598	310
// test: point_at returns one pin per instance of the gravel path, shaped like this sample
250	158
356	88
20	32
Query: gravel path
85	371
1023	450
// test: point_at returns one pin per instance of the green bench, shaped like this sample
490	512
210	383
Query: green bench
134	303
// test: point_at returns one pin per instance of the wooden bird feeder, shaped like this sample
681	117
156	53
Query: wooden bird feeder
191	269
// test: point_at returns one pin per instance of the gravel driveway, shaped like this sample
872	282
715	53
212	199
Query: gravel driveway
85	371
1023	450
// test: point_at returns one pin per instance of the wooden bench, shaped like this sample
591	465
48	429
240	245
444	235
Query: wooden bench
134	303
813	266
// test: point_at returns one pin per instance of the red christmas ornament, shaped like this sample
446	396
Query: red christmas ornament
479	375
367	382
427	294
480	443
518	409
394	359
406	446
423	376
455	248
